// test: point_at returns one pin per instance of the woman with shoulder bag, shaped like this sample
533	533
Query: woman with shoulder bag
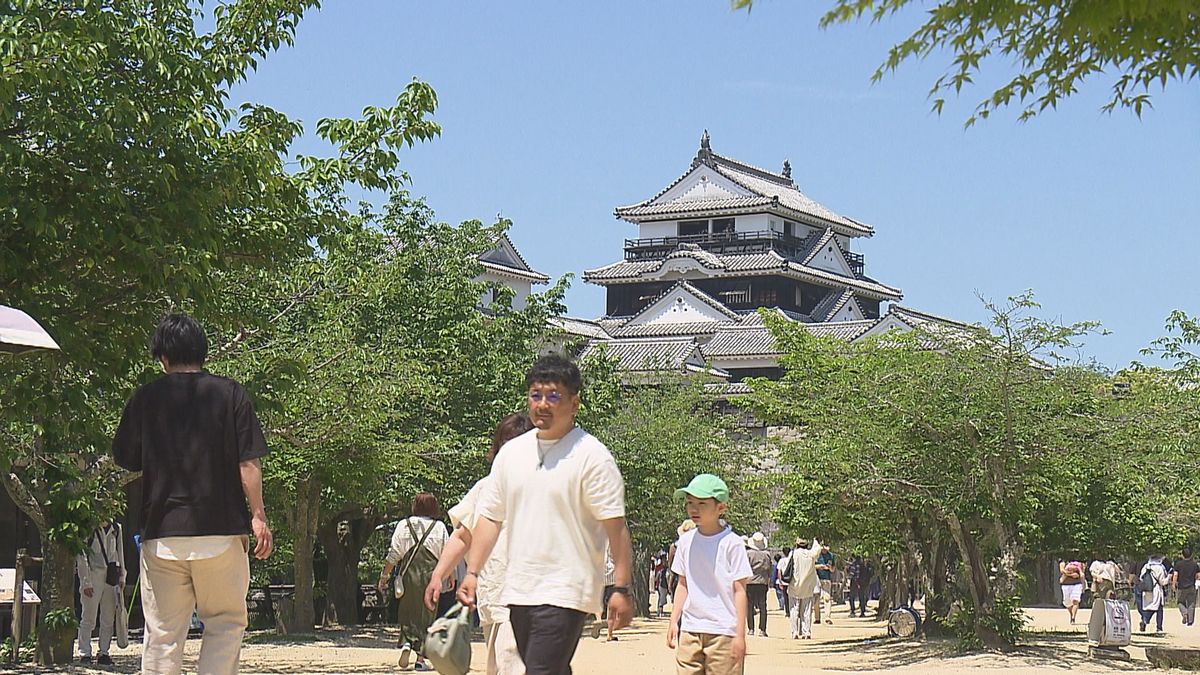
1071	579
416	545
101	572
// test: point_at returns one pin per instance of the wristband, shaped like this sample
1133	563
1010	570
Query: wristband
623	590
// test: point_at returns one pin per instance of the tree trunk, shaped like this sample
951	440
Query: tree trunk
57	592
303	517
978	587
343	539
643	556
938	599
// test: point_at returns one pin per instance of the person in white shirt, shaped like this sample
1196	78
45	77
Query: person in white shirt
502	655
416	545
803	587
96	595
559	493
708	619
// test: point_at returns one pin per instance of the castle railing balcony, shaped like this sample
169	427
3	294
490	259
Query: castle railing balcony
731	243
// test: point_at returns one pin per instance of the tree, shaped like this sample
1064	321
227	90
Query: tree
937	448
131	186
380	377
1056	45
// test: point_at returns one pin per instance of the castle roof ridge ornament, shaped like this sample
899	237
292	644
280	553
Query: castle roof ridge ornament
787	169
705	154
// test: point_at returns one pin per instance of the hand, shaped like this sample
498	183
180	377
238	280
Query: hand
466	590
263	543
672	633
89	592
382	584
433	592
739	648
620	611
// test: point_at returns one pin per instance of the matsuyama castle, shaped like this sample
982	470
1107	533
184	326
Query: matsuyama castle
715	245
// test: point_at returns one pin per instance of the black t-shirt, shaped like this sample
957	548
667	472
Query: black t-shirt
1186	568
187	433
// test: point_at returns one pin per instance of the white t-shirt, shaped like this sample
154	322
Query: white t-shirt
403	540
711	565
491	577
552	502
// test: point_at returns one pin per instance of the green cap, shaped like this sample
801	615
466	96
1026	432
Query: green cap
704	486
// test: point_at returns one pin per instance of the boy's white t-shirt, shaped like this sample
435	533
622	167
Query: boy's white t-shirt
711	564
552	502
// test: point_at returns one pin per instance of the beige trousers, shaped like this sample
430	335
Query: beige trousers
503	657
826	600
216	588
706	654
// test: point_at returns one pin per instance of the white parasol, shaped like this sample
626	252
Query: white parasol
19	332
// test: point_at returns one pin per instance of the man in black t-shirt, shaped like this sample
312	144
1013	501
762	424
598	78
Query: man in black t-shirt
196	440
1184	578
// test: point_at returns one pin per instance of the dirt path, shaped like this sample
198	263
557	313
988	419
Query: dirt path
849	645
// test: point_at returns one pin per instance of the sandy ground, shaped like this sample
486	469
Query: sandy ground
857	645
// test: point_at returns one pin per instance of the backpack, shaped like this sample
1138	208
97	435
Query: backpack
788	572
1147	583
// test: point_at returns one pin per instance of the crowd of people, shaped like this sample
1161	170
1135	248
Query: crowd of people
1149	582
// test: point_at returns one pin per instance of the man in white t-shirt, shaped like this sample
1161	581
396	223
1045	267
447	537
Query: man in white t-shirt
559	494
709	616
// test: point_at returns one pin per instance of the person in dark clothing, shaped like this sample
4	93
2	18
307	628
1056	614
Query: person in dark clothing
756	588
858	574
1184	578
196	440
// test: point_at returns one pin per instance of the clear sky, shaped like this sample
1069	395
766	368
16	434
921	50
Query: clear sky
555	113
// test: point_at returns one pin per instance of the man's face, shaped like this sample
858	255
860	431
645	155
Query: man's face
552	406
704	512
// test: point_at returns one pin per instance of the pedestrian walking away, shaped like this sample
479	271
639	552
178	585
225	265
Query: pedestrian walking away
800	575
1184	578
1150	587
502	655
761	566
560	494
416	544
1071	580
858	574
708	622
101	572
196	440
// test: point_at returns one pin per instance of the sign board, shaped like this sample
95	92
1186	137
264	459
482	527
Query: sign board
1110	624
8	579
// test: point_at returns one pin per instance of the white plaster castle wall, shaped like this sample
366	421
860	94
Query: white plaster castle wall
847	313
757	222
830	260
843	241
668	228
678	309
521	289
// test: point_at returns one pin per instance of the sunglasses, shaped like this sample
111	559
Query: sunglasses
552	397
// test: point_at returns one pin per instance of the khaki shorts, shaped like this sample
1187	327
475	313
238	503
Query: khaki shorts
706	654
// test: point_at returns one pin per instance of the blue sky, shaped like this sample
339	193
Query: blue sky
555	113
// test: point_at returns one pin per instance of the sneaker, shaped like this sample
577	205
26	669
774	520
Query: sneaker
422	666
795	636
829	621
597	628
104	660
1142	626
85	659
762	633
406	655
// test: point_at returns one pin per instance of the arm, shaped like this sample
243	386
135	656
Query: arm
739	601
620	605
251	471
483	540
127	442
121	552
454	551
681	593
81	571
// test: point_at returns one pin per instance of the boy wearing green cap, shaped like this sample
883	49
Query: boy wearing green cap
709	617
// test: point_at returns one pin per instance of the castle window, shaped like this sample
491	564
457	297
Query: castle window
692	227
722	225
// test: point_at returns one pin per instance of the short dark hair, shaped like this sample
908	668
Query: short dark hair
555	369
425	504
509	428
1187	551
181	340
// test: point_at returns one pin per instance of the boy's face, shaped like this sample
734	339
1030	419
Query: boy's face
552	406
705	512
